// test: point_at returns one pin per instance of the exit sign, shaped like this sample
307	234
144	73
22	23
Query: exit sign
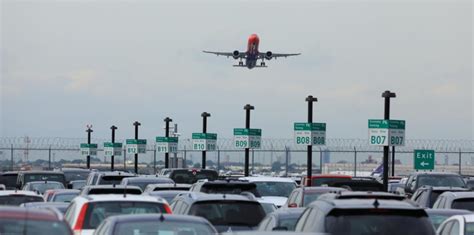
424	159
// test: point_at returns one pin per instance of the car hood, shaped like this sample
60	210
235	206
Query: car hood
278	201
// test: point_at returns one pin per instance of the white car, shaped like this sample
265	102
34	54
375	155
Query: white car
457	225
273	189
86	213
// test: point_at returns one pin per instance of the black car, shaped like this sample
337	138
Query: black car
225	187
426	196
9	179
73	174
359	184
191	176
30	176
418	179
370	215
110	189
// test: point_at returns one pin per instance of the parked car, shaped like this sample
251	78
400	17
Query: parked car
73	174
324	179
110	189
168	195
418	179
155	224
167	187
455	200
41	186
426	196
60	195
438	216
76	184
342	215
359	184
17	197
301	197
457	225
86	213
30	176
27	221
191	176
9	179
281	220
273	189
111	178
143	181
225	187
224	211
60	206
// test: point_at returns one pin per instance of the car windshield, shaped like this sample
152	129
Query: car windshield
98	211
437	219
111	179
469	230
78	184
43	177
372	222
16	200
32	227
441	180
166	227
276	189
464	203
310	197
42	187
239	213
192	176
76	175
64	197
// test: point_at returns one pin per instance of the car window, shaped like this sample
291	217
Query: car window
455	228
16	200
18	226
469	229
446	228
464	203
278	189
298	198
310	197
439	202
441	180
245	213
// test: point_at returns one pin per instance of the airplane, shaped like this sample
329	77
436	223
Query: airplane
252	55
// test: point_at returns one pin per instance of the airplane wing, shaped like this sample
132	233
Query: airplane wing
228	54
276	55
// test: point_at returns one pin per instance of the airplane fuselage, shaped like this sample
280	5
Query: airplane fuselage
252	51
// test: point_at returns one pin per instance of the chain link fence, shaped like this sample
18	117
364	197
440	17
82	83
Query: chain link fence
276	156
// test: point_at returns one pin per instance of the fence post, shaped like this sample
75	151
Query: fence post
355	161
154	159
49	158
218	160
253	162
11	166
460	161
287	156
125	159
320	161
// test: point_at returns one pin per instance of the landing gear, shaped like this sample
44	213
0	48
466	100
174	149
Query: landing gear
241	63
262	64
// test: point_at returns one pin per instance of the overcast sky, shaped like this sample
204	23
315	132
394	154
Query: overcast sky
65	64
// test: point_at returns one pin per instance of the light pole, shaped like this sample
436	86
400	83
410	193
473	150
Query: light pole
89	131
167	134
136	124
113	128
309	161
386	95
247	109
204	116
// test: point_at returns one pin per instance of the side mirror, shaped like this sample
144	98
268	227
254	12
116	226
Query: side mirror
292	205
280	228
69	186
408	189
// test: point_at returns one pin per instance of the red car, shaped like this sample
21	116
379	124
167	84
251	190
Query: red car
28	221
322	180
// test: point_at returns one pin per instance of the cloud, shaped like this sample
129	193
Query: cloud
80	81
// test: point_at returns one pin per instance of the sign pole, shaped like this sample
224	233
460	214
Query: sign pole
136	124
309	161
204	130
89	131
393	160
247	108
167	134
113	128
386	95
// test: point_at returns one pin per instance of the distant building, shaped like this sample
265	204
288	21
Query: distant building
326	156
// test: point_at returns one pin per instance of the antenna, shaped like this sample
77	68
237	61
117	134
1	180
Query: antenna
162	217
125	190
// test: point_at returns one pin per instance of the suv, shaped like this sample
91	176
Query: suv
9	179
359	184
225	187
143	181
74	174
418	179
18	220
166	187
29	176
273	189
17	197
426	196
340	216
110	189
191	176
455	200
107	178
86	212
224	211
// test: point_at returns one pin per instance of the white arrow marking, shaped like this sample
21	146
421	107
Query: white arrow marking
424	164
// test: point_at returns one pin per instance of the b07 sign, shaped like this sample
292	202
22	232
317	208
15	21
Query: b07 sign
386	132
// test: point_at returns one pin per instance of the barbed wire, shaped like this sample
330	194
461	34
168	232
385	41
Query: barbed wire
277	144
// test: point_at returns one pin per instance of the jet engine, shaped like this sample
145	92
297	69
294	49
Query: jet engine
236	54
268	55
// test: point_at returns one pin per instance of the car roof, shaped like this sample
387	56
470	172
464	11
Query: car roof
117	197
330	176
170	185
469	217
157	218
288	212
267	179
18	192
9	173
443	188
431	211
367	204
461	194
44	182
115	173
46	204
201	197
322	189
434	173
42	172
148	179
28	213
74	170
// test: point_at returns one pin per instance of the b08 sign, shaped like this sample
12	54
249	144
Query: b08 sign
310	133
